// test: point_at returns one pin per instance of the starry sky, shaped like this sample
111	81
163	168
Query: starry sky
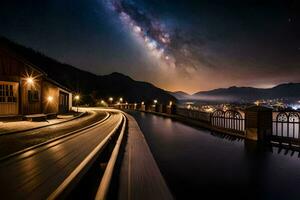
188	45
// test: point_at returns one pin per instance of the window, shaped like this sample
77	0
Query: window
33	95
7	93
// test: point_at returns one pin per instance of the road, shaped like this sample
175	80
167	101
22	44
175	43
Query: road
36	174
15	142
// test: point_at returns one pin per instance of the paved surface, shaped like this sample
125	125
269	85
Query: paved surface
140	177
36	174
15	142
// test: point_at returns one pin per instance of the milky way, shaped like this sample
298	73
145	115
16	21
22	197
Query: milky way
163	42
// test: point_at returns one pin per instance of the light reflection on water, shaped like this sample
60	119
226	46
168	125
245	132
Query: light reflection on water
196	162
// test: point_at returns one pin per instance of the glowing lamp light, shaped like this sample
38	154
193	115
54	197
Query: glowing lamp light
143	103
171	103
121	99
30	80
77	97
102	102
111	99
155	101
50	98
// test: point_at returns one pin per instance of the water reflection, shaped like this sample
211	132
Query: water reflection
198	163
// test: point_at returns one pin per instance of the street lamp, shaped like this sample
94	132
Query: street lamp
77	98
111	100
143	103
155	101
121	99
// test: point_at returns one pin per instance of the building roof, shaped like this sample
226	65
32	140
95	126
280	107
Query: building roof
5	46
57	84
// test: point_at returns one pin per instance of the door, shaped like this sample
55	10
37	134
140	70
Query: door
63	102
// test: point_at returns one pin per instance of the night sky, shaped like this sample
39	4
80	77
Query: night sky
188	45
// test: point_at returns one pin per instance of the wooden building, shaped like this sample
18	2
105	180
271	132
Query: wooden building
25	89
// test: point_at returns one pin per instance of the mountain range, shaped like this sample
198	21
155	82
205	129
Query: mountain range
233	94
90	86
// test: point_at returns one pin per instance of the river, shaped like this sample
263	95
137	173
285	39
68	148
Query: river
197	163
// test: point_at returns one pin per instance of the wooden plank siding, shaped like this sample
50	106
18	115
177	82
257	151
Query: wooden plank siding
30	106
52	90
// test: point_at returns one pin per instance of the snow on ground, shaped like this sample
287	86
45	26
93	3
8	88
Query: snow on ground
7	127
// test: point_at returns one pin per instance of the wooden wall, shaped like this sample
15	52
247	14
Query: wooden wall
30	107
52	90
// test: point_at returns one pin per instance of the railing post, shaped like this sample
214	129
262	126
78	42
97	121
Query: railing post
258	122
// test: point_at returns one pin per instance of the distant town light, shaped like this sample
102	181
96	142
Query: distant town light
171	103
50	98
135	104
143	103
102	102
189	107
111	99
121	99
126	103
155	101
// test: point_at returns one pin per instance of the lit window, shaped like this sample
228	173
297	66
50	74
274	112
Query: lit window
7	93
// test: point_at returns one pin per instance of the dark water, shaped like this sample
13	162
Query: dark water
200	165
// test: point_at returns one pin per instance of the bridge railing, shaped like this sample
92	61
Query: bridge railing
286	125
230	119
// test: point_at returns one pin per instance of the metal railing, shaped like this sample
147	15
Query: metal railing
286	125
229	119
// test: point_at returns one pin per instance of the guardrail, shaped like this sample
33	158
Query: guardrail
74	178
106	179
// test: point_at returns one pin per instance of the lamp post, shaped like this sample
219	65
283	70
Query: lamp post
77	98
111	100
